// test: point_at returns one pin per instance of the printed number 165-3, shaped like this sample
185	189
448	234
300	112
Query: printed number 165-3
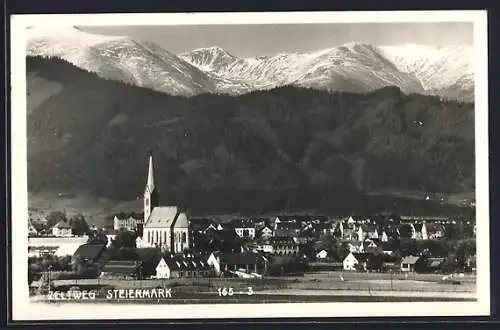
223	292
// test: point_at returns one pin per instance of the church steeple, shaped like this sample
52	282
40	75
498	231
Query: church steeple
150	183
150	194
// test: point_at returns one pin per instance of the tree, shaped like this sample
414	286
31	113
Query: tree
97	237
405	231
375	262
78	225
54	217
78	264
125	239
450	264
284	265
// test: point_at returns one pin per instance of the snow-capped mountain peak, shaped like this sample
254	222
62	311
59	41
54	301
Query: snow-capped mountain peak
437	67
210	58
355	66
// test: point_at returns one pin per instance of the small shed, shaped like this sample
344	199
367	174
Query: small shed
408	263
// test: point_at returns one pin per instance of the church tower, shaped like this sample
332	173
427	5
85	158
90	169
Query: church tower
150	194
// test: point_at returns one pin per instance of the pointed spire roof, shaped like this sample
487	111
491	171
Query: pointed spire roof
150	184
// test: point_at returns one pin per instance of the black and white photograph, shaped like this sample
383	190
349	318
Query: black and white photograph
223	165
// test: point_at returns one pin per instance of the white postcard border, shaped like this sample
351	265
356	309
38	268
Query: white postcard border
23	309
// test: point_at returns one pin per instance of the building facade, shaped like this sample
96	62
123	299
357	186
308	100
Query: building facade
166	227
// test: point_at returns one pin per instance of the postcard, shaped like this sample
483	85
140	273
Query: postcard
249	165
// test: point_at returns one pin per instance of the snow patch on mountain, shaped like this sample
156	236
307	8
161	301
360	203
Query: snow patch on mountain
353	67
437	67
121	58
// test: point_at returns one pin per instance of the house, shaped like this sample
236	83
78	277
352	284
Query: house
369	246
355	261
180	266
111	238
384	237
355	248
264	246
224	263
202	225
165	226
419	231
284	245
90	252
31	229
244	229
322	255
127	222
121	269
61	229
265	232
408	263
323	228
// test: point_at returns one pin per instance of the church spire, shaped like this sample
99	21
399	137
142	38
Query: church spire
150	184
150	194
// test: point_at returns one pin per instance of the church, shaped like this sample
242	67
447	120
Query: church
166	227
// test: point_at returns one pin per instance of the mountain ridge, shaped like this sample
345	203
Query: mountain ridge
352	67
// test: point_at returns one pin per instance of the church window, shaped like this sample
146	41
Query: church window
184	237
149	237
165	236
156	241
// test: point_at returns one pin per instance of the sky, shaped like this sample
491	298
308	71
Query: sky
260	40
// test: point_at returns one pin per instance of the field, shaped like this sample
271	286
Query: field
313	287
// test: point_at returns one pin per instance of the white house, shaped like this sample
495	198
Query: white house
264	246
61	229
266	232
244	229
353	259
178	266
383	237
350	262
408	263
162	269
128	223
322	254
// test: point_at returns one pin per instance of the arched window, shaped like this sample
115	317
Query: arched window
149	236
184	237
156	241
165	236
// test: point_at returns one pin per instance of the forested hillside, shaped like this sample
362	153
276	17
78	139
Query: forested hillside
284	148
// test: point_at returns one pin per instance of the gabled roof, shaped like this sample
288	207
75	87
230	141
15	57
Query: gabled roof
283	240
122	266
165	217
410	260
89	251
362	257
288	225
186	262
240	223
240	258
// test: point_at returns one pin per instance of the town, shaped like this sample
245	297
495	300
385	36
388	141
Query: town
164	244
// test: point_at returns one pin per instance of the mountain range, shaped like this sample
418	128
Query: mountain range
445	71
